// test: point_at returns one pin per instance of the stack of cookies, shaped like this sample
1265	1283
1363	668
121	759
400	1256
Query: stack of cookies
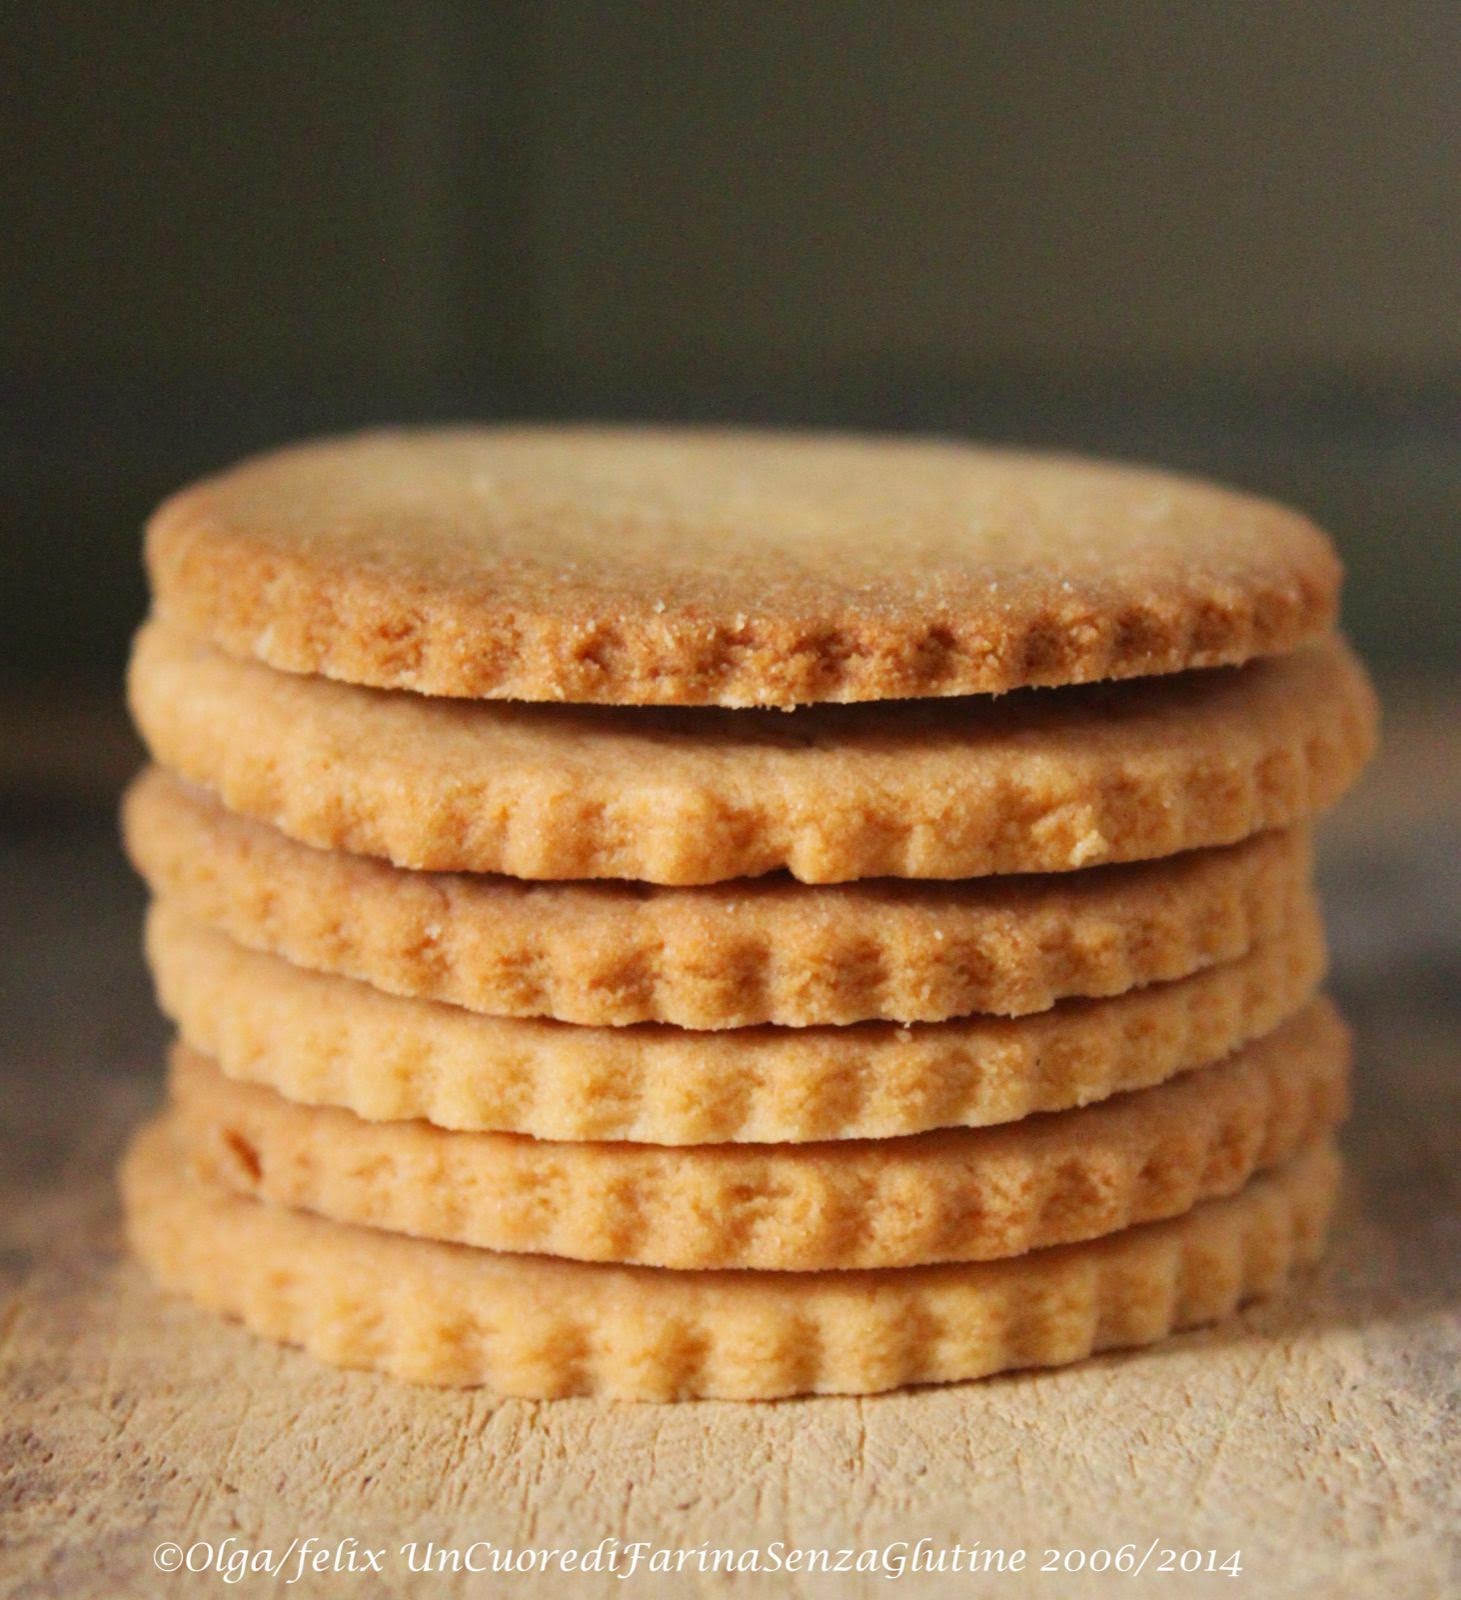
662	914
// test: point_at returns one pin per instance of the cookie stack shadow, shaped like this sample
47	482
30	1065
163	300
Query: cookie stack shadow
609	956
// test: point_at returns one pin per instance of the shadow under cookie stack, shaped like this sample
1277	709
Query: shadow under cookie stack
672	914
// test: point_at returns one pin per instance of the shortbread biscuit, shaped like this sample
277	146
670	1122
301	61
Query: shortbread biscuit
963	1194
714	568
539	1327
933	789
721	956
321	1039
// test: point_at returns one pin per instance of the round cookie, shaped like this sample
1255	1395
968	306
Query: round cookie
639	567
1034	782
964	1194
720	956
327	1040
543	1328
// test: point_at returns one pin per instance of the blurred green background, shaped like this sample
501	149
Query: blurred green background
1221	234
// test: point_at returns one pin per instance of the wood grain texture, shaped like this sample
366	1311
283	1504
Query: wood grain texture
1317	1435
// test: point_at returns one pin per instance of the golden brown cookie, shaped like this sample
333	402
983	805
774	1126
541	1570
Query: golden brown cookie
321	1039
540	1327
721	956
934	789
963	1194
713	568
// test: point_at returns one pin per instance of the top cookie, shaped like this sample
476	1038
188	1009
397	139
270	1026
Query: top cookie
647	567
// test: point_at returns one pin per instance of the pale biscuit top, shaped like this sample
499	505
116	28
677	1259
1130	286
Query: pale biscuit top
640	567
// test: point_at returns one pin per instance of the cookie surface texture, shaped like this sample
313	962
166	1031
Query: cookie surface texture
958	1195
321	1039
722	956
1032	782
535	1326
724	568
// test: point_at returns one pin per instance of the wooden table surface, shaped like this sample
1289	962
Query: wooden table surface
1317	1436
